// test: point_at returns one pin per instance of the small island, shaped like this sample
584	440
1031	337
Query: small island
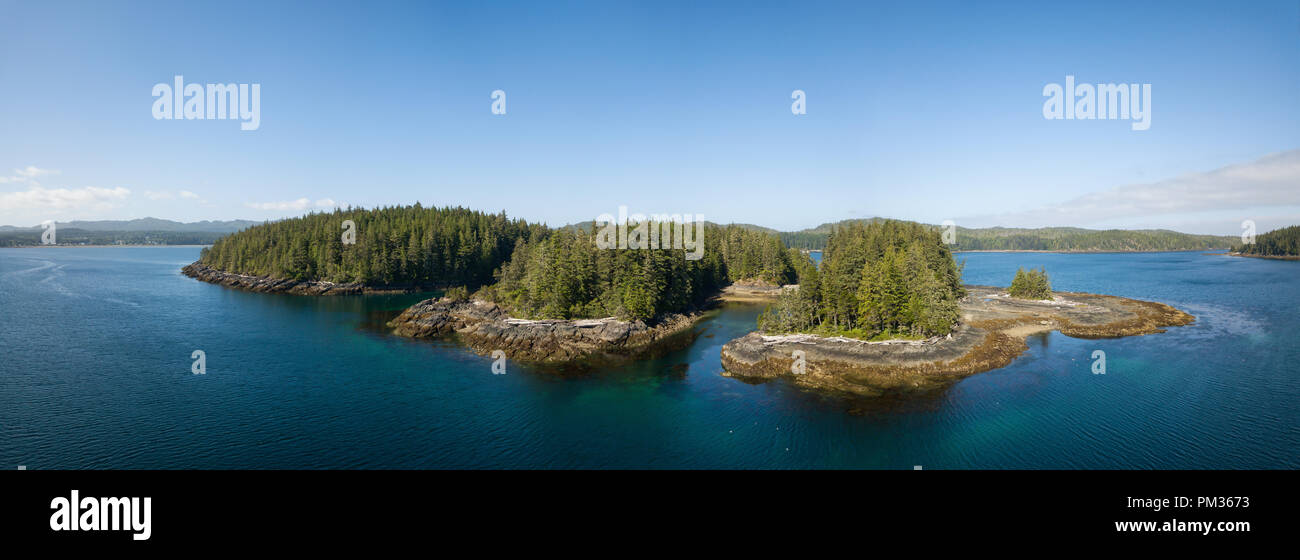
887	313
991	334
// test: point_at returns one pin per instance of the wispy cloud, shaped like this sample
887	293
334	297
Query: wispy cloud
300	204
1271	181
28	175
168	195
85	198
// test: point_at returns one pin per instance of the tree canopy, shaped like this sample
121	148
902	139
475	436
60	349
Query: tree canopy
1031	284
567	276
394	245
534	271
878	279
1283	242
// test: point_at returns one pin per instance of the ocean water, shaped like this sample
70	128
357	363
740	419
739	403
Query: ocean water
95	372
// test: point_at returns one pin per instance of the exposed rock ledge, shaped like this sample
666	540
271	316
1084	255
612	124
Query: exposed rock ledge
485	327
283	286
991	334
754	291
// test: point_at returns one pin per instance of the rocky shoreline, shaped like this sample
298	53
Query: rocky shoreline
269	285
990	335
485	327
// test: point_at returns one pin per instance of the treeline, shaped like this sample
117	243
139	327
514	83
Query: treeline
406	245
76	236
878	279
751	254
1039	239
533	270
1283	242
1077	239
814	241
565	275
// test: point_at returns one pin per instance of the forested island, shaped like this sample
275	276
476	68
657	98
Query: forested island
556	294
544	294
1277	244
887	312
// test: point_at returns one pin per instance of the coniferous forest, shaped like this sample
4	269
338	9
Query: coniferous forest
877	280
535	271
394	245
1283	242
567	276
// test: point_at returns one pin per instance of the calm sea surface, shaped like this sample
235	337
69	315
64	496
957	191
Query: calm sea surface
96	343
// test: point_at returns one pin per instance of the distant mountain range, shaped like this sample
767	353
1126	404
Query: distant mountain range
142	231
146	224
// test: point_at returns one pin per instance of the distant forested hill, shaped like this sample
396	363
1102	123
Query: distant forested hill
1283	242
1040	239
145	224
1079	239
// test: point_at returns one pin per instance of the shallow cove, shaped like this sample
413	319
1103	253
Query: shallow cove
96	357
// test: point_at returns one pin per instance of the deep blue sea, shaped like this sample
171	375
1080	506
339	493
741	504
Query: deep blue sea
95	372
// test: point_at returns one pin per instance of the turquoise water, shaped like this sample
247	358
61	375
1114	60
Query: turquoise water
95	357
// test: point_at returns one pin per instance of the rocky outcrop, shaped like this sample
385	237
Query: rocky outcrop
270	285
990	335
754	291
485	327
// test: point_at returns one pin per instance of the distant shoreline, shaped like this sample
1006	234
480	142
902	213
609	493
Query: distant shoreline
1272	257
1082	251
103	246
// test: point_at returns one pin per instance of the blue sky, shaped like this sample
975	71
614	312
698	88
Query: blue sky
923	111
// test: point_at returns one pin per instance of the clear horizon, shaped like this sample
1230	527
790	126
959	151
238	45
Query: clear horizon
926	112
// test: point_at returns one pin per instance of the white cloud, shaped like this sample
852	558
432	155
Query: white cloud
28	175
32	172
300	204
1273	180
40	198
168	195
